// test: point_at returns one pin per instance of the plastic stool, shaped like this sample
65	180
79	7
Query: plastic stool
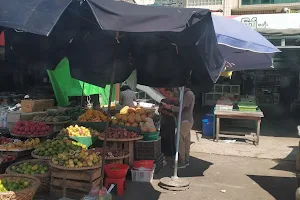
120	183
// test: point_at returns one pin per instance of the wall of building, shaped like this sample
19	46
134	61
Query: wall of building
235	7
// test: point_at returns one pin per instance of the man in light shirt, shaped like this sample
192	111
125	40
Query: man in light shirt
127	96
186	125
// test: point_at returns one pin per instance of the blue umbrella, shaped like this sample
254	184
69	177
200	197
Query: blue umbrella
241	46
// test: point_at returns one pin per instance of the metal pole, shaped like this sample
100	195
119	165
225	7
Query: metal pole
82	95
108	110
178	132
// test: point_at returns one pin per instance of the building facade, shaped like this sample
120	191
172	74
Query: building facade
244	7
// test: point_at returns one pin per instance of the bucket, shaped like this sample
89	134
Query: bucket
207	127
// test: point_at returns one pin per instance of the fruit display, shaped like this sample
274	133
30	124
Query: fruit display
119	133
93	116
79	131
51	119
53	147
77	159
21	145
31	129
79	144
30	168
6	158
131	117
13	185
52	115
5	140
111	153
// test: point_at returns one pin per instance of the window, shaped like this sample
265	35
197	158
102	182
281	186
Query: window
204	2
254	2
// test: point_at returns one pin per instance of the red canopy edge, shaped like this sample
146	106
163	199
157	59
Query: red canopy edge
2	40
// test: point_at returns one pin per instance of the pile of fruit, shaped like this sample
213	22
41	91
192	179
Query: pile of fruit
6	158
18	144
5	140
31	128
73	112
110	153
131	116
77	159
56	146
30	169
52	115
119	133
93	116
79	131
10	185
148	126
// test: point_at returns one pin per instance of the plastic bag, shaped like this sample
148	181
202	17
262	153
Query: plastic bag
3	119
103	195
94	192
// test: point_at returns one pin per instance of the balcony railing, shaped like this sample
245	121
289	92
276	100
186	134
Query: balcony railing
258	2
195	3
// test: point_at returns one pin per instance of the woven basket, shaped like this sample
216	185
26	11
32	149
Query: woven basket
75	168
121	140
32	136
127	153
25	194
44	178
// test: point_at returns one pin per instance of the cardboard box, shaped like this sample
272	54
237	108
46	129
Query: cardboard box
36	105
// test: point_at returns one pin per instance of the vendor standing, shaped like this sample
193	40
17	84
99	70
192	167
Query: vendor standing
186	125
167	125
127	96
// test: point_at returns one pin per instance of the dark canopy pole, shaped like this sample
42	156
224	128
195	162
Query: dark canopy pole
82	96
108	110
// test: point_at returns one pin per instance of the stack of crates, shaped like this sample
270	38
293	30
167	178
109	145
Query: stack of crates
150	150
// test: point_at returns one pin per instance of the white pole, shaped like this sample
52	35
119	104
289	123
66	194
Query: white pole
178	132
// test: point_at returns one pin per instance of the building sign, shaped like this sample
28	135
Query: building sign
271	21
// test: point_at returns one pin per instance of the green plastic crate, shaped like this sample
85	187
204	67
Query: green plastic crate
150	136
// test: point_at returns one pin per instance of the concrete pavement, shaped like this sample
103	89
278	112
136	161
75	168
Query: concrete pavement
216	177
269	147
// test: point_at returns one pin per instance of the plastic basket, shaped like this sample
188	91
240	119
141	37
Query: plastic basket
142	175
147	150
150	136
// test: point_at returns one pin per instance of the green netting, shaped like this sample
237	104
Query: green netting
65	86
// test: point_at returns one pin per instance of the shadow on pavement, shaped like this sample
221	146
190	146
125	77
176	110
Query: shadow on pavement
281	188
139	191
288	163
197	168
146	191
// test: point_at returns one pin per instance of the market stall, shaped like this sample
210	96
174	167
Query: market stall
243	109
179	63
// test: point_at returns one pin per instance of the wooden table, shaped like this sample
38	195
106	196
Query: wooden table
236	114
